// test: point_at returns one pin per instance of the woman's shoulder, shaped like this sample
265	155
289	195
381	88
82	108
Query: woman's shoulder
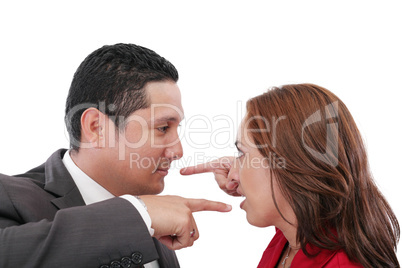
324	259
341	260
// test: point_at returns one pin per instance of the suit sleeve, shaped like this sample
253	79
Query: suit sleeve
85	236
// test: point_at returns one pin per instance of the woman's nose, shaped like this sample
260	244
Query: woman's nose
233	176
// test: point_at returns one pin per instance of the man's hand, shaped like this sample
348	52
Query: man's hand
221	168
173	221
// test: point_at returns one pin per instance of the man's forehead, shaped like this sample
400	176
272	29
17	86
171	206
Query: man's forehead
166	112
163	92
165	101
158	113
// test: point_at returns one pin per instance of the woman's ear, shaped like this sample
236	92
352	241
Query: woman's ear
93	128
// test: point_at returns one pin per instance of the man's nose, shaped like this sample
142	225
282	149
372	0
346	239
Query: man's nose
175	151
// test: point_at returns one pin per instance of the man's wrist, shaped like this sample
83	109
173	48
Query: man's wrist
142	202
142	209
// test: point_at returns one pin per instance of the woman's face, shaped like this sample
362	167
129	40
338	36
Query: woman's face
252	173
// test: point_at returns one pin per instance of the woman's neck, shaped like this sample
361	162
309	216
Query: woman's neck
290	232
291	248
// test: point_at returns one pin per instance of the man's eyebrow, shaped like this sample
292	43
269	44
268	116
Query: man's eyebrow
164	120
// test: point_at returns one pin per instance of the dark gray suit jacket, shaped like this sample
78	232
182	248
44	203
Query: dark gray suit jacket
44	223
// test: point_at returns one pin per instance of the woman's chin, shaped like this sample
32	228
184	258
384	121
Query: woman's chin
253	221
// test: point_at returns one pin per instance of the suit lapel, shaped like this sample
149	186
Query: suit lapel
59	182
72	199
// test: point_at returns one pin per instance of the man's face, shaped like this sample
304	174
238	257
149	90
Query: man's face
139	155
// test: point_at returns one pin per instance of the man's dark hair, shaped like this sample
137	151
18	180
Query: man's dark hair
112	79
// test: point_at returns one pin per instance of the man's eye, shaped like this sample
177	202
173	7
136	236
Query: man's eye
163	129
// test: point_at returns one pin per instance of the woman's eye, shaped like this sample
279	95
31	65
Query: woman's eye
239	154
163	129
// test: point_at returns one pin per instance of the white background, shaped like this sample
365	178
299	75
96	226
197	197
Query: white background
226	52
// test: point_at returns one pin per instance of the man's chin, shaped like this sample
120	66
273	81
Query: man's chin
147	190
157	188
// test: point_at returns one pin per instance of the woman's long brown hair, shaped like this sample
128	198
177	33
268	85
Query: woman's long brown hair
324	173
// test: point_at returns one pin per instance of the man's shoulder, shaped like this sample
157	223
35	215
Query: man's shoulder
35	177
21	181
30	178
24	198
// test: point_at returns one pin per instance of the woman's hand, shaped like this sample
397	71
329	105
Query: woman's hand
221	169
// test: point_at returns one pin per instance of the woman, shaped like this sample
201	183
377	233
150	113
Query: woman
302	167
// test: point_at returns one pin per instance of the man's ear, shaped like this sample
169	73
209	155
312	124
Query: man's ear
93	128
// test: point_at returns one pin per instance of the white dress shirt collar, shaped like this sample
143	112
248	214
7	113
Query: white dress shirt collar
90	190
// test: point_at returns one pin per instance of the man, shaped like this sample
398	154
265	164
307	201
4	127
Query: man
81	207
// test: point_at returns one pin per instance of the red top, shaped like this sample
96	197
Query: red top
326	258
